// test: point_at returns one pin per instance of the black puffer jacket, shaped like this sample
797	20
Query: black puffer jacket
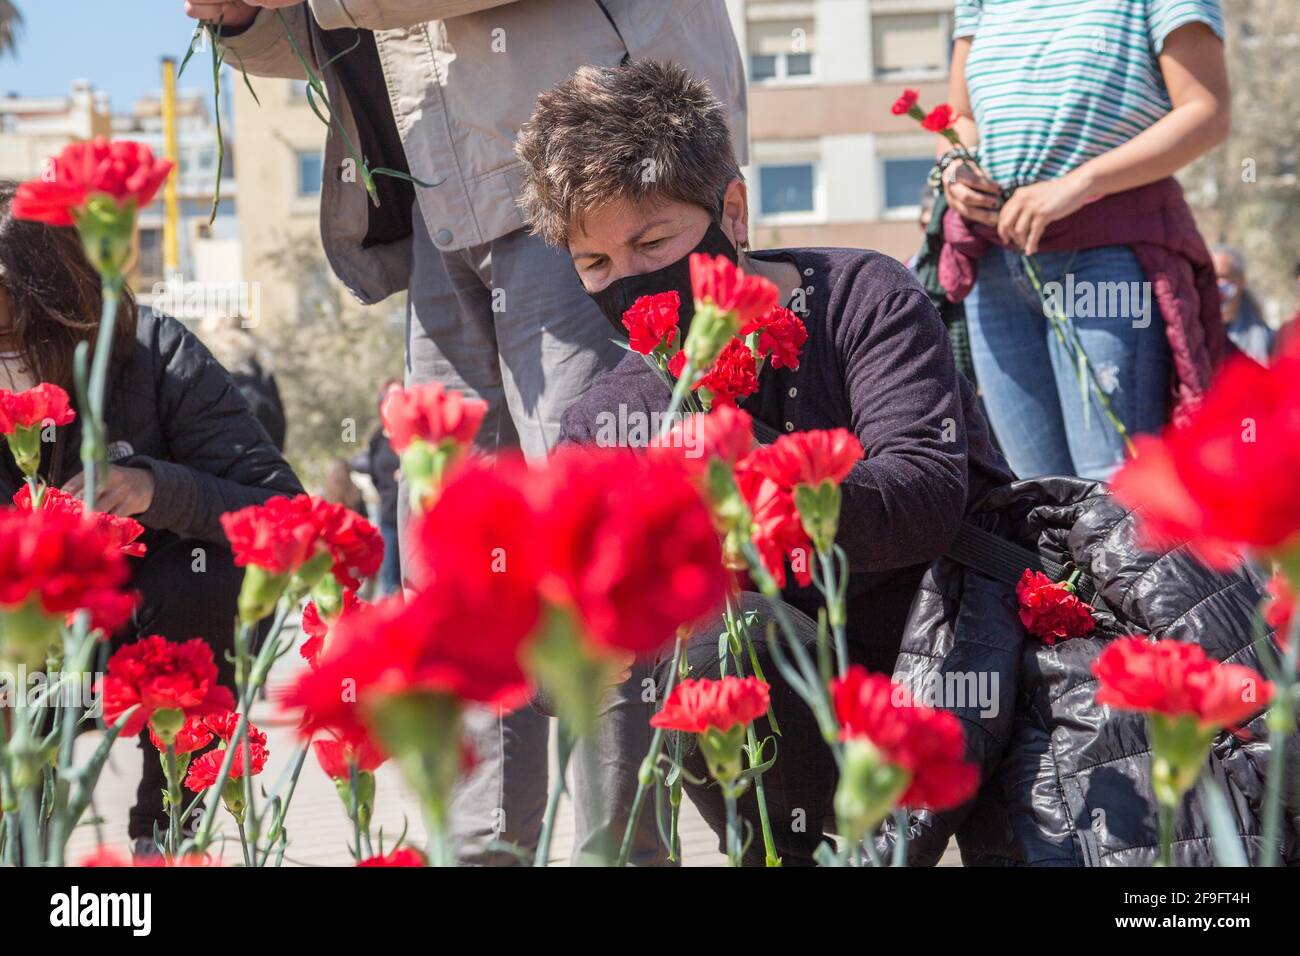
174	410
1065	781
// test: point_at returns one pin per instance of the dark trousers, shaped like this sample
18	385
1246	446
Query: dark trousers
187	589
800	786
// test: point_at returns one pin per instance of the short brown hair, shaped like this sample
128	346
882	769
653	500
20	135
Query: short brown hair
645	130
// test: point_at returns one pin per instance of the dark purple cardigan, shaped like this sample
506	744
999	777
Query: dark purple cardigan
877	361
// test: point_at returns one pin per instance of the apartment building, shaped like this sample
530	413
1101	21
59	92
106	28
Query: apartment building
830	165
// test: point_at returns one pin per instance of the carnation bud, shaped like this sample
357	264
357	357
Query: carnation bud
819	512
365	795
868	790
167	723
424	466
107	232
722	753
710	330
25	443
259	593
1179	748
327	595
27	635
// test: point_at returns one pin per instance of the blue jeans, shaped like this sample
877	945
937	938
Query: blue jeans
390	572
1046	420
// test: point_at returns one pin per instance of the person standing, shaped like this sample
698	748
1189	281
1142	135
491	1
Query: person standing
1241	312
437	89
1081	113
383	466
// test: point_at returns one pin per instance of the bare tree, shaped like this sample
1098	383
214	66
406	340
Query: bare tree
1246	192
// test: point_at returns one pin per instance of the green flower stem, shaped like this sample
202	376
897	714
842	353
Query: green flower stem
681	390
564	744
174	798
806	680
674	819
1166	812
736	624
276	833
733	827
902	828
1281	724
261	666
78	651
832	587
1060	325
92	433
646	773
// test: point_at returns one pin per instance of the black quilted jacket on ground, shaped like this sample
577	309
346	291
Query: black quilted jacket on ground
1065	781
172	408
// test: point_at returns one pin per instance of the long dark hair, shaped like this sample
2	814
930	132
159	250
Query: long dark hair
55	293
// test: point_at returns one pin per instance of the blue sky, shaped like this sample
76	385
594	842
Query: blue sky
116	44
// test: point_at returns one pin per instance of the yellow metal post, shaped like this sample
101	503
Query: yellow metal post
171	196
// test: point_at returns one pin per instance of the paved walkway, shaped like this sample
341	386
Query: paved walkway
317	824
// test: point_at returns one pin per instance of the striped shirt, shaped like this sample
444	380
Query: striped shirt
1054	83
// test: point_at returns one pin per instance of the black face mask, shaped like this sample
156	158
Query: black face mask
617	297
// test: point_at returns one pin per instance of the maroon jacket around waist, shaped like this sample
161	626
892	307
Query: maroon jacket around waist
1156	223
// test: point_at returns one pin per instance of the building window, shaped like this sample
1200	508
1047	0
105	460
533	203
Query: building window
780	50
310	171
786	188
149	264
909	44
904	180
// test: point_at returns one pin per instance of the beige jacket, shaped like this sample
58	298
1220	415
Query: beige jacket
462	76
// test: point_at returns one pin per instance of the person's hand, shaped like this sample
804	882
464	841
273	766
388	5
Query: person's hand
123	491
274	4
229	13
1031	209
974	196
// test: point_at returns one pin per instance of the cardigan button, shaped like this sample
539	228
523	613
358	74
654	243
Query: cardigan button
793	391
789	426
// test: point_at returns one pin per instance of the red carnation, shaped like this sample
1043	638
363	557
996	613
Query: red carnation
733	375
317	628
126	171
279	536
651	322
123	532
926	744
355	545
718	280
905	102
193	735
778	531
696	705
1177	679
205	769
158	675
33	408
1280	607
725	432
808	458
56	563
337	757
782	335
631	546
940	118
1050	610
404	856
1223	479
430	413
